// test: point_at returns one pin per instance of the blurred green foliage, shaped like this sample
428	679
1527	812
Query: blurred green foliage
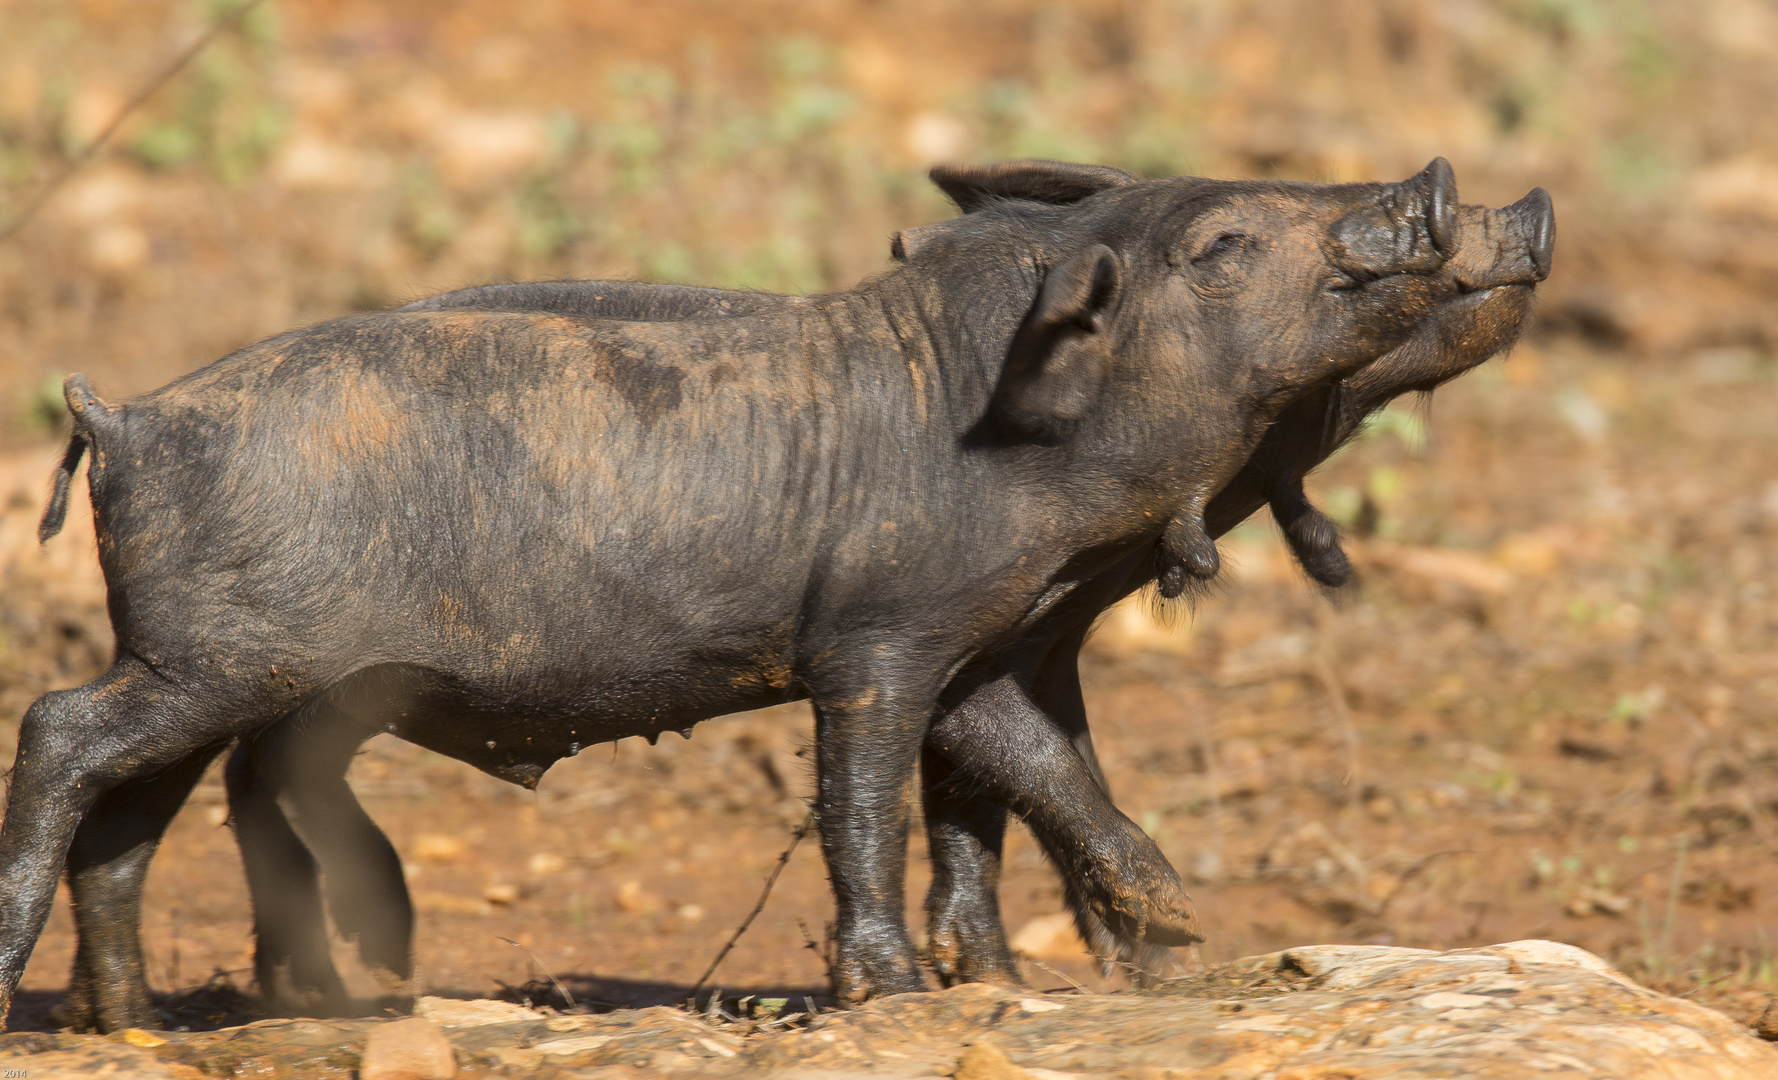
645	172
228	118
45	408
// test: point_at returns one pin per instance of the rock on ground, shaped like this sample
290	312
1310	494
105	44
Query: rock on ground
411	1049
1332	1012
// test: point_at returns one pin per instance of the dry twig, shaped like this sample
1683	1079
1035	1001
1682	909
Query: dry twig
771	880
553	981
1059	975
91	150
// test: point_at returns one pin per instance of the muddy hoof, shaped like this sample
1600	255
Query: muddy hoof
1163	916
1171	918
856	981
1179	928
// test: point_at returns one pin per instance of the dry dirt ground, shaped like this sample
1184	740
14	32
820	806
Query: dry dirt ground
1548	710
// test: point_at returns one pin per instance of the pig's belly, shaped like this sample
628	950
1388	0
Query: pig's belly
516	729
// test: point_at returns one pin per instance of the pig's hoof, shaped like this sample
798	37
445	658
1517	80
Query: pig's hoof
1161	915
967	959
967	943
1166	916
1185	543
857	980
1175	923
127	1007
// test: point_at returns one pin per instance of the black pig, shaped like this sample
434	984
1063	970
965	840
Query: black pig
414	519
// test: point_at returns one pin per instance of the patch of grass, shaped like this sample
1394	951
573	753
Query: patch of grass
45	409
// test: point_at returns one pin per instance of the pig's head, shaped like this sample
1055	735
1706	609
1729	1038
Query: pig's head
1201	293
1215	305
1485	293
1173	319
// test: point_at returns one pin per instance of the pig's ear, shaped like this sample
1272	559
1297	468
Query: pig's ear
907	243
1061	182
1060	356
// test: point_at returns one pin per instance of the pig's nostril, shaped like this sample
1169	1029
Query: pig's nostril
1441	206
1538	217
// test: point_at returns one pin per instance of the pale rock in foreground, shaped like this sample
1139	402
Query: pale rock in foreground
1527	1008
1497	1013
411	1049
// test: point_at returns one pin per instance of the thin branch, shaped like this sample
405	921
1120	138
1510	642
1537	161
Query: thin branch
771	880
553	981
1039	963
91	150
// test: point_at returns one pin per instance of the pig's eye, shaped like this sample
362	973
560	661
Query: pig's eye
1228	243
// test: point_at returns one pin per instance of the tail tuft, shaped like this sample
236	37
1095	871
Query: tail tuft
89	413
57	510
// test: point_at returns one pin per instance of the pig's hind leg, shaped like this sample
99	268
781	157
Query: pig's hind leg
291	959
133	723
964	837
107	864
326	849
965	828
361	874
1056	692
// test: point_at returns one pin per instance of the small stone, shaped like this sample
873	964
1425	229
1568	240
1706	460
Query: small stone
501	892
545	863
439	847
632	899
1767	1028
412	1049
452	1012
985	1061
1593	901
450	903
1049	937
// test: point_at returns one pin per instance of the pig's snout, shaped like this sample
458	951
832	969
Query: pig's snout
1537	222
1410	226
1509	246
1441	207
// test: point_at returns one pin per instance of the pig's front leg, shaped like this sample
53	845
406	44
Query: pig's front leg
965	828
867	745
964	835
1005	747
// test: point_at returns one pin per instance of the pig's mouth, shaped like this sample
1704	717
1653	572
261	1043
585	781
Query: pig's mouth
1481	296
